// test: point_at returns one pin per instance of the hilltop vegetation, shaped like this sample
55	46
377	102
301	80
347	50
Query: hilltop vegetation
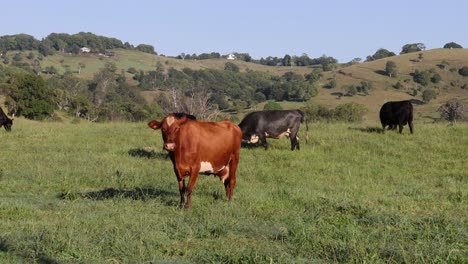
120	82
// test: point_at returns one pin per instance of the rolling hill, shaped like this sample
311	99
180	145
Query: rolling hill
451	85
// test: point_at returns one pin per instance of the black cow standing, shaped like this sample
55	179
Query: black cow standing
397	113
5	121
257	126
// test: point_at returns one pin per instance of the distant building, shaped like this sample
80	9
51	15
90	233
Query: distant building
231	56
85	50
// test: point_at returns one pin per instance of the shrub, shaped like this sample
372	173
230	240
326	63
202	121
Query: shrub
229	66
463	71
451	110
272	105
317	112
350	112
132	70
429	94
422	77
436	78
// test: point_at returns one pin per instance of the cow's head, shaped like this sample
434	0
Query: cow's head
8	123
170	127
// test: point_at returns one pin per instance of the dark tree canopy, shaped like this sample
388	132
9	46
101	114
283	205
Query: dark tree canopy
379	54
414	47
452	45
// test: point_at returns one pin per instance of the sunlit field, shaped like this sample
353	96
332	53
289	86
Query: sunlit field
106	193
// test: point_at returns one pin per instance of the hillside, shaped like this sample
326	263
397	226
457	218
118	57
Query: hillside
449	86
383	86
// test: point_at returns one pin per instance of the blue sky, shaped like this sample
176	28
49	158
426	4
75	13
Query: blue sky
341	29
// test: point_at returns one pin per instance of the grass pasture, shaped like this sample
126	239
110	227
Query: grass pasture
106	193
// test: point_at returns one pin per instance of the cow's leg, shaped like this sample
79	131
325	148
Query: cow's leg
400	127
189	189
410	124
180	179
294	141
182	192
230	182
264	142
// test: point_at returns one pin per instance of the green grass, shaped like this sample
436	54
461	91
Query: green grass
106	193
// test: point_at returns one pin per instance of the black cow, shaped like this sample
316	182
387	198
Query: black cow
397	113
257	126
5	121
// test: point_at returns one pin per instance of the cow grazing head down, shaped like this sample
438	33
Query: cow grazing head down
6	122
258	126
200	147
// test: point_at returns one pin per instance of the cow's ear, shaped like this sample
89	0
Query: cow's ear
154	124
183	119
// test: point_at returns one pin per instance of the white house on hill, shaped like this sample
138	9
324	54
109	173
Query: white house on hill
231	56
85	50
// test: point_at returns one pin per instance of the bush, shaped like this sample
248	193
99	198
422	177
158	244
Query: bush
272	105
422	77
317	112
229	66
436	78
350	112
451	110
429	94
463	71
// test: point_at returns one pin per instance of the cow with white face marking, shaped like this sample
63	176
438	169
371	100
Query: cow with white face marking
200	147
258	126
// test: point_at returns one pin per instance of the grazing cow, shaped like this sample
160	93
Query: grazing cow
5	121
200	147
397	113
257	126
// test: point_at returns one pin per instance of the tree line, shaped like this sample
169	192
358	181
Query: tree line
66	43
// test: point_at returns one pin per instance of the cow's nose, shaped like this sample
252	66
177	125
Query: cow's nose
169	146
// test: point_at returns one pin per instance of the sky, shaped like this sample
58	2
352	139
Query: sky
342	29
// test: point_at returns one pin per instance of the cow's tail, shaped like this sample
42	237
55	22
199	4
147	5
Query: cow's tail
304	120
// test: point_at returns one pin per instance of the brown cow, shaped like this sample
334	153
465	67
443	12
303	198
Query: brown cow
200	147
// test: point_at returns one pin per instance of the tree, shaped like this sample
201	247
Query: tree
391	69
452	45
379	54
230	66
429	94
30	97
414	47
146	48
422	77
286	60
451	110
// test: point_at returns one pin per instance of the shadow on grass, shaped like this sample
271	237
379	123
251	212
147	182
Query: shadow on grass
147	153
39	257
245	144
134	194
377	130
